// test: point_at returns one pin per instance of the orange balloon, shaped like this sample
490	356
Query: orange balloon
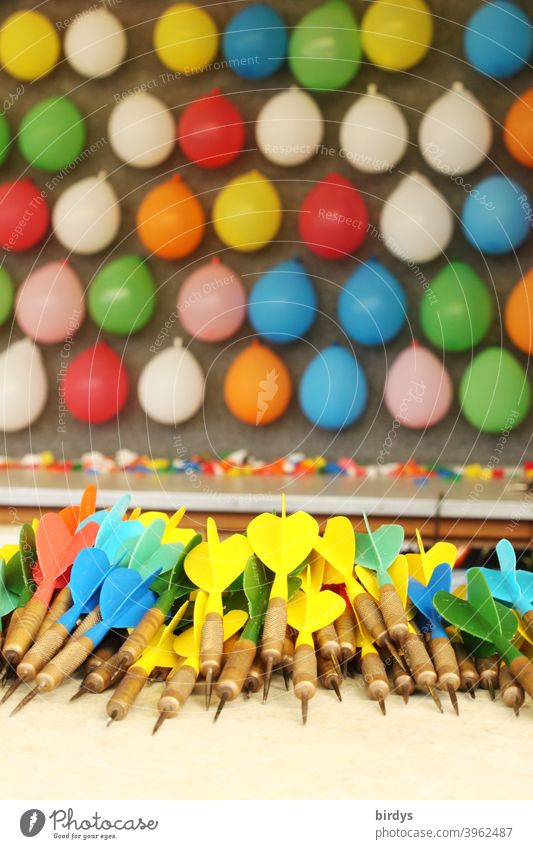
257	386
518	129
171	220
518	315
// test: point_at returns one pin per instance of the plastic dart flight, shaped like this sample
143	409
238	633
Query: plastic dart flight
282	543
421	565
511	585
441	648
213	566
256	587
487	620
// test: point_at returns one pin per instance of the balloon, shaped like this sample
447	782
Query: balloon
141	130
86	218
185	38
325	47
418	389
7	294
122	295
171	220
498	39
496	215
50	303
289	128
5	139
211	131
29	45
23	386
333	218
416	221
372	307
283	303
255	42
456	310
52	134
397	34
374	133
257	386
518	129
518	315
247	212
212	302
95	43
171	386
333	391
494	391
455	133
24	215
95	385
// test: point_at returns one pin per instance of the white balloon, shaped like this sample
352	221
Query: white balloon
86	218
455	134
95	43
416	222
23	386
141	130
374	133
289	128
171	386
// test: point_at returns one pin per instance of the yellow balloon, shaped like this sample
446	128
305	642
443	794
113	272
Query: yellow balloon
186	38
247	212
397	34
29	45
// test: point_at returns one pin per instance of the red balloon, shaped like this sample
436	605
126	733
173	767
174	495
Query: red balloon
24	215
96	385
333	218
211	131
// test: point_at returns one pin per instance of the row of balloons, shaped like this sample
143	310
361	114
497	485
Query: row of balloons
333	390
324	50
416	222
456	310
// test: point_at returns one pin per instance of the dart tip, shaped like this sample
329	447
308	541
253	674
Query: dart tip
112	718
336	665
26	700
7	695
305	706
405	694
453	698
470	688
492	692
220	706
286	677
335	686
345	668
392	651
267	679
381	702
160	720
435	697
82	689
208	688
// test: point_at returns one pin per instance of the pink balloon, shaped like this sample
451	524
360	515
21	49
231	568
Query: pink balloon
418	389
50	303
212	302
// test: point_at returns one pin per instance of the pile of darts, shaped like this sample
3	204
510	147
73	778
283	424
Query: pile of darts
136	598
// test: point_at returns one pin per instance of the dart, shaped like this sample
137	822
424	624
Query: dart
255	678
442	653
488	668
329	676
345	627
310	610
373	671
489	621
282	543
467	668
256	587
511	585
512	692
159	652
403	683
213	566
103	674
287	657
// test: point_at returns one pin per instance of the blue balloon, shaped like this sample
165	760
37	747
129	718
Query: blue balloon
497	215
333	390
372	307
255	42
282	305
498	39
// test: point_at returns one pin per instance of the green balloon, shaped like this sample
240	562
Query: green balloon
325	47
494	391
122	295
5	139
52	134
6	295
456	311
